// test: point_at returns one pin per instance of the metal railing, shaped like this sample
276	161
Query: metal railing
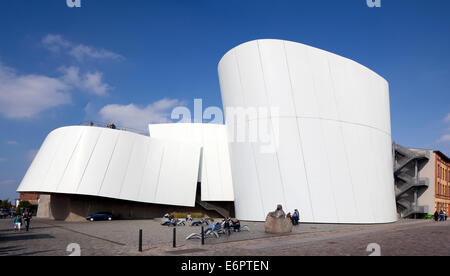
117	127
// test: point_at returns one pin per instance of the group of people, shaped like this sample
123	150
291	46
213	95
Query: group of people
19	220
227	224
108	125
111	126
171	220
294	217
440	216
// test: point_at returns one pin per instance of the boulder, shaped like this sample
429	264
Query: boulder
277	223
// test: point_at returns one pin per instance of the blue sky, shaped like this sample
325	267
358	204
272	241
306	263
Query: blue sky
136	60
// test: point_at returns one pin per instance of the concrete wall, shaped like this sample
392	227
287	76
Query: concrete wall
77	208
428	171
44	206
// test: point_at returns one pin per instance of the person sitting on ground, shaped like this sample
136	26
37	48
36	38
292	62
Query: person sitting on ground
289	216
227	225
188	217
200	222
212	226
174	221
236	225
169	218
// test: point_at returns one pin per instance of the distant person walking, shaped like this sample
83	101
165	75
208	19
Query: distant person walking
17	223
441	215
436	216
27	219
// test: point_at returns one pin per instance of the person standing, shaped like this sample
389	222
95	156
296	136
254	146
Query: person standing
436	215
27	219
17	223
295	217
441	215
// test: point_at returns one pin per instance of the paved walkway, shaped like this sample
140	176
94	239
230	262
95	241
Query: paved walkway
406	237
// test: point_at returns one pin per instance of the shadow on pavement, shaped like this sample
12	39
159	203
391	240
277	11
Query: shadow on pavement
33	253
24	236
31	228
7	249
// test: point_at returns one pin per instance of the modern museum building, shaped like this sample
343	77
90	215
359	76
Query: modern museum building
304	128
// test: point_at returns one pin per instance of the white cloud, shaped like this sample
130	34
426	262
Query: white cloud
132	116
7	182
12	142
82	51
447	118
56	43
3	159
90	82
444	138
24	96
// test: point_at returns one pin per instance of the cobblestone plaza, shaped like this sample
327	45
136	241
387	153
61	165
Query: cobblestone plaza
52	238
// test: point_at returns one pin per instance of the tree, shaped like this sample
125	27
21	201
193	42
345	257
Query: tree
26	206
5	204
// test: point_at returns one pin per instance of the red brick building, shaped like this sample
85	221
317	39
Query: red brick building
442	182
33	198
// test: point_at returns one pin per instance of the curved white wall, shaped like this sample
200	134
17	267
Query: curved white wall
114	164
215	167
334	159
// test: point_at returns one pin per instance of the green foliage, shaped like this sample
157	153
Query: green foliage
183	215
26	206
5	204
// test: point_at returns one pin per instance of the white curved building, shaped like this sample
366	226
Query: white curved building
323	144
333	161
103	162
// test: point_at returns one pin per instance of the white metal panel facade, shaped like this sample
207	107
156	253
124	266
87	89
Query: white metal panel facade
115	164
333	161
215	171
